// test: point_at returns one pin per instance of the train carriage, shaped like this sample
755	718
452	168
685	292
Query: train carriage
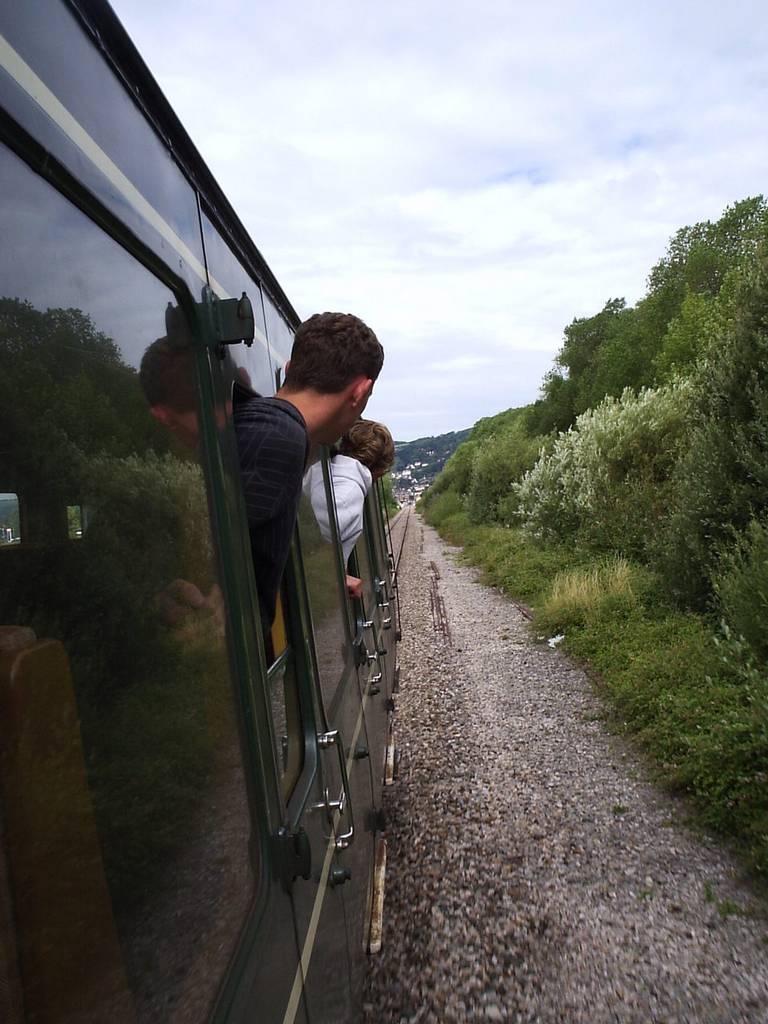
190	811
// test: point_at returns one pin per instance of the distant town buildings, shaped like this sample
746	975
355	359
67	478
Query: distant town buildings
405	487
418	462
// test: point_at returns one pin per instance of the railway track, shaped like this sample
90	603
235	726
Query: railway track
398	529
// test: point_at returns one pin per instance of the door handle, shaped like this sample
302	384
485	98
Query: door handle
333	739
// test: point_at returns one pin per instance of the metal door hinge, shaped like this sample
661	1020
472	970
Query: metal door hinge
231	320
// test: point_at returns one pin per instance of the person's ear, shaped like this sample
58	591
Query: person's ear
361	390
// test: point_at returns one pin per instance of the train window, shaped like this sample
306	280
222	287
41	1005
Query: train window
10	520
326	601
74	521
366	570
124	823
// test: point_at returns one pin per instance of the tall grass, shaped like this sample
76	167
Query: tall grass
579	596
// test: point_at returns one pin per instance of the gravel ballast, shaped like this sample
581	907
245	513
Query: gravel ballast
534	873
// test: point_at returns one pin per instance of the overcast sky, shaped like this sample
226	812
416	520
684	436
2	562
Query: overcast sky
466	177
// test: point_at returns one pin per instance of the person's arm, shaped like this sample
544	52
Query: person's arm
314	488
350	499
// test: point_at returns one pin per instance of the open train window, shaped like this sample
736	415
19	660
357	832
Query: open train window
327	602
125	853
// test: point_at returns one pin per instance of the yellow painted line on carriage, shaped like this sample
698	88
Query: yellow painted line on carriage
311	936
36	88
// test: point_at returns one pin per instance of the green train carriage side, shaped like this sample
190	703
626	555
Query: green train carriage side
190	811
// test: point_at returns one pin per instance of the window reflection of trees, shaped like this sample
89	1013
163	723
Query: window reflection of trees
147	657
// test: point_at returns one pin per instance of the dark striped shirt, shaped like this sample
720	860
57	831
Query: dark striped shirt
273	444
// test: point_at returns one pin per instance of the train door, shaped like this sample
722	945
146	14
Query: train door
130	873
313	688
345	755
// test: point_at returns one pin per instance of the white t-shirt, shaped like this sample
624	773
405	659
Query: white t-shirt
351	482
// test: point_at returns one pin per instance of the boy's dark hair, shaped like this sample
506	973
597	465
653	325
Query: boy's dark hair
329	351
370	443
167	375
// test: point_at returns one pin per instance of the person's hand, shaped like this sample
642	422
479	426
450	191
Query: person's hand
354	587
181	605
178	601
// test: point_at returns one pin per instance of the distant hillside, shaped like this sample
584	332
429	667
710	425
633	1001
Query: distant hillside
419	461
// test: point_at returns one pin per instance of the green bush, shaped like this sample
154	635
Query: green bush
605	481
688	336
455	476
741	586
697	703
499	461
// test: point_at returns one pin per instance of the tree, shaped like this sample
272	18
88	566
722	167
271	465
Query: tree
722	482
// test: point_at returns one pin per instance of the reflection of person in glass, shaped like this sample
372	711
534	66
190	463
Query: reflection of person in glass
334	363
167	375
364	454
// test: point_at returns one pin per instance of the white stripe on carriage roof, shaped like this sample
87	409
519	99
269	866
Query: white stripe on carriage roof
37	90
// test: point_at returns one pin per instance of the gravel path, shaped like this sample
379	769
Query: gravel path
534	874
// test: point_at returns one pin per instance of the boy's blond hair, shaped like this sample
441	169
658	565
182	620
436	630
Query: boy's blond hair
370	443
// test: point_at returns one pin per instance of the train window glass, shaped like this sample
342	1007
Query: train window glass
366	571
74	521
378	554
325	598
48	36
279	334
124	835
10	519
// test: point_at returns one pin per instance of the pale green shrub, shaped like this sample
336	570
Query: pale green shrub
605	480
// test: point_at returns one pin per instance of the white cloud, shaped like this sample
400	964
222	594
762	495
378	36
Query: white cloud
467	177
